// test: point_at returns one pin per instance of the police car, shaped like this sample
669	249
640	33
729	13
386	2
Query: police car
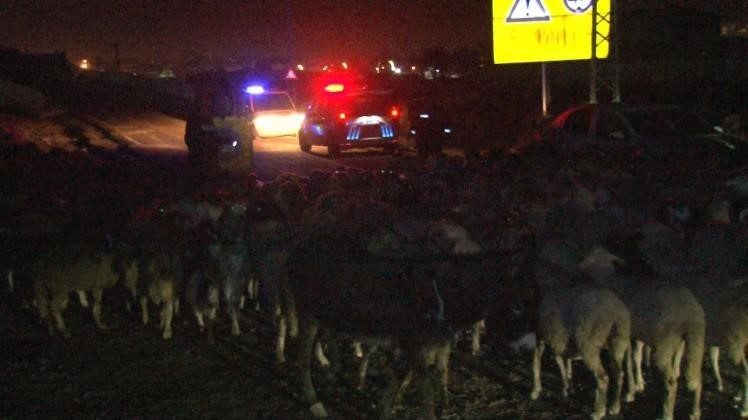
272	112
343	117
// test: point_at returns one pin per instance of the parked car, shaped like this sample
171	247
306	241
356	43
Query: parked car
652	131
342	117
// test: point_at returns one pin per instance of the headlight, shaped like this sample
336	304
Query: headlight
272	125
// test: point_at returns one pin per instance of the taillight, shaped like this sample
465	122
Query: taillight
394	113
334	88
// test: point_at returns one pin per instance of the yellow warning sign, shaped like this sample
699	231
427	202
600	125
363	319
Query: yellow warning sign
527	31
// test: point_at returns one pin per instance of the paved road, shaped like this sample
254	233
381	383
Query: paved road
150	130
161	134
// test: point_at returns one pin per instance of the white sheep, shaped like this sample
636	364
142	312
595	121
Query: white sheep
588	320
666	318
60	271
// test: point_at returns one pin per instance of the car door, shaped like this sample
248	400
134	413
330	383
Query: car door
313	128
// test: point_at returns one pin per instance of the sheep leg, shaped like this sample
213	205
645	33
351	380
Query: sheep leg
253	290
144	309
714	358
536	362
648	357
364	365
212	315
11	284
167	313
744	411
620	348
97	295
569	369
82	298
478	328
591	358
638	355
42	304
306	347
564	376
234	315
280	342
319	354
357	349
664	356
442	366
424	387
398	383
631	380
200	320
55	309
289	309
678	358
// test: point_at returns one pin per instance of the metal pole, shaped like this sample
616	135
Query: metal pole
544	81
614	45
593	59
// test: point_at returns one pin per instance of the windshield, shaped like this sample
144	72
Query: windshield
664	122
369	104
272	102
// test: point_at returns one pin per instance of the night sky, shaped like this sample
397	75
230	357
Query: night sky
177	30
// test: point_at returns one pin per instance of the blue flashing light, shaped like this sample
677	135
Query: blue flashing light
255	90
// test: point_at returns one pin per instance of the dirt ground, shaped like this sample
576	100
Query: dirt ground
128	371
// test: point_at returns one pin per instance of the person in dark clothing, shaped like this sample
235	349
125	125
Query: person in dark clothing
428	120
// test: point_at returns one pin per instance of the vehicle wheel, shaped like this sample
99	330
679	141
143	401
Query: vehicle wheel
333	150
304	144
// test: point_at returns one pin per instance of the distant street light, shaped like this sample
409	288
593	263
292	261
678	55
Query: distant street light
84	65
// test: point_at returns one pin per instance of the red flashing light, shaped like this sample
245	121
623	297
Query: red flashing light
342	116
334	88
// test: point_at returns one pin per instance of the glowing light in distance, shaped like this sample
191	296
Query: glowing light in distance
300	67
85	65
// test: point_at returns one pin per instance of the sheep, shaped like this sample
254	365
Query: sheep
667	318
62	270
157	281
590	319
725	302
414	303
269	245
159	269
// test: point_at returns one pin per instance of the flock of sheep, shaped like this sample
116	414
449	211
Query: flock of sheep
412	256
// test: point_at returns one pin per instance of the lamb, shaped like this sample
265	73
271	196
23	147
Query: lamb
590	320
667	318
64	269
